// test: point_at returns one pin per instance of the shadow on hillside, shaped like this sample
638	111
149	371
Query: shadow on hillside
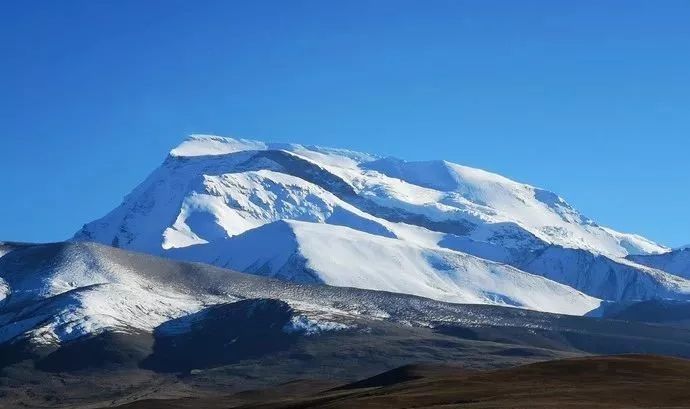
221	335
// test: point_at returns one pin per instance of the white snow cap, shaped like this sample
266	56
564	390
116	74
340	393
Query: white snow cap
201	145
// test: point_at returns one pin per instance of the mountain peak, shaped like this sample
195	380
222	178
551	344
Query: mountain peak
203	145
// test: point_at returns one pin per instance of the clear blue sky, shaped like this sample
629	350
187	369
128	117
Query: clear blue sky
590	99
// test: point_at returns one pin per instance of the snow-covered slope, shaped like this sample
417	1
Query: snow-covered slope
602	277
60	292
675	262
341	256
212	191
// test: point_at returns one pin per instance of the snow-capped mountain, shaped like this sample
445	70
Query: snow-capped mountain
314	214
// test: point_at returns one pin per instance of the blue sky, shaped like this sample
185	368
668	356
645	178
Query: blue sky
590	99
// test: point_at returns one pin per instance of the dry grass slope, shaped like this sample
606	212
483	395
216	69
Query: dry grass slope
628	381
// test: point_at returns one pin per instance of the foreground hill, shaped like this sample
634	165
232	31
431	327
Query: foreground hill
84	324
633	381
56	293
442	230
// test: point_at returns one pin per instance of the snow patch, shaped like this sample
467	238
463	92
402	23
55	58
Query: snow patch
302	324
